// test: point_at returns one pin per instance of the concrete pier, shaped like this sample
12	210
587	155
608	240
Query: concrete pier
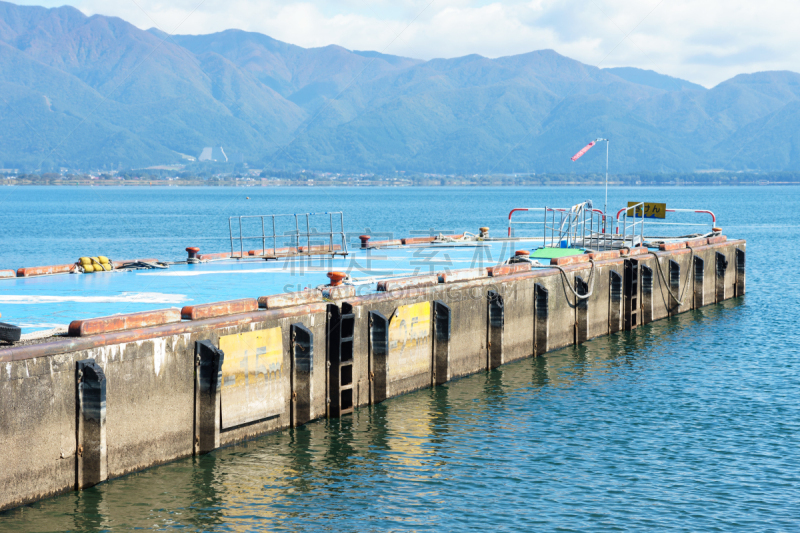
82	410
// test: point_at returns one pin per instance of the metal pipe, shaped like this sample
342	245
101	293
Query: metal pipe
641	234
605	232
624	227
583	237
241	241
605	206
230	228
544	235
344	238
553	228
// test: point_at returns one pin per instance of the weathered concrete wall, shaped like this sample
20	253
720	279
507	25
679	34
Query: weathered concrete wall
704	284
598	308
314	321
149	404
518	337
152	391
561	308
399	380
150	384
468	344
38	434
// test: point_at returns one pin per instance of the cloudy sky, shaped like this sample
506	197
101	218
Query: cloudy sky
704	41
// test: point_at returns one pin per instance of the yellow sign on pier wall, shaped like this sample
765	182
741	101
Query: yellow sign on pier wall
410	341
651	210
252	385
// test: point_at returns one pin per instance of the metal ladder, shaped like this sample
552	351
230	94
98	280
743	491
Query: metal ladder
341	329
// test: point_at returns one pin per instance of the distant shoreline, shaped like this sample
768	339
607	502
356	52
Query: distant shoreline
383	184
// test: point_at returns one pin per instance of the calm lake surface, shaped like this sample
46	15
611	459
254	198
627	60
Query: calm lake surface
687	424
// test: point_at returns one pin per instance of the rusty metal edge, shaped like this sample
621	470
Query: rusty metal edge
416	292
74	344
188	311
575	267
682	251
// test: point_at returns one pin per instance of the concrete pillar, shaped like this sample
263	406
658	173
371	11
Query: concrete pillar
378	356
721	268
674	287
740	263
614	302
581	311
302	346
647	293
207	403
631	294
699	282
541	302
92	454
495	331
441	342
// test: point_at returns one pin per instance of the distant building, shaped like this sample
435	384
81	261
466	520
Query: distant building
216	154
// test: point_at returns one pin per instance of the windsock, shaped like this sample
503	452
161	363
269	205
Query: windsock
583	151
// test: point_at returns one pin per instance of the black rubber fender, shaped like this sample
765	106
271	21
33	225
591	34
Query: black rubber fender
9	333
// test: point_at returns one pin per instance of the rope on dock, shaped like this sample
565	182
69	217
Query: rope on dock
142	265
565	279
679	301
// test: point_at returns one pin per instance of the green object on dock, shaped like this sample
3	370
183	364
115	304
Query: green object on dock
550	253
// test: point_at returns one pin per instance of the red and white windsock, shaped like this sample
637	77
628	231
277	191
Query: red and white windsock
583	150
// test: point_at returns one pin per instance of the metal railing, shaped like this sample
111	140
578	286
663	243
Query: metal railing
654	222
578	226
629	227
302	238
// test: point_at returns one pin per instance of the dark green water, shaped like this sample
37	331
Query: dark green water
687	424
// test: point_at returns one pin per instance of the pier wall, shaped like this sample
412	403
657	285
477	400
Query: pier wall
160	397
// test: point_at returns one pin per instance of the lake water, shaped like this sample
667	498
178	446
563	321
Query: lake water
687	424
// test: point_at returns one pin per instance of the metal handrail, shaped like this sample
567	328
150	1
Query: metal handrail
592	224
296	235
652	222
516	209
632	226
579	223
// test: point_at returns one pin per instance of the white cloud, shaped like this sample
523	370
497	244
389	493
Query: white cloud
706	42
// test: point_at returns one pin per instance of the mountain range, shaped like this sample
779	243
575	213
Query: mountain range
86	92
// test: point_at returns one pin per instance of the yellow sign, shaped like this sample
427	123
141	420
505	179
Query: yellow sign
410	349
651	210
252	372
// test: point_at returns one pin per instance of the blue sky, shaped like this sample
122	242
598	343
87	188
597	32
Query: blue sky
704	41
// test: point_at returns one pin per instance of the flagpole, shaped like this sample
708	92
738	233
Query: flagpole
580	154
605	207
